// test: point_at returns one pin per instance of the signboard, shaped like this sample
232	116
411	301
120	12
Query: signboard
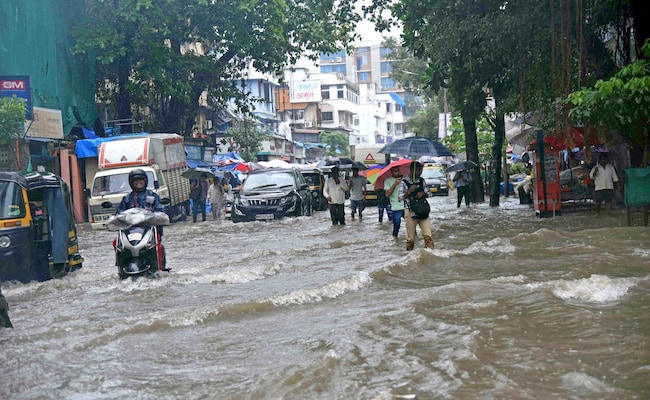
18	85
47	123
370	159
304	91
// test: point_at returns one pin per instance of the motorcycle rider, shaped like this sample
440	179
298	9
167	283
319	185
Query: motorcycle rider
140	196
143	198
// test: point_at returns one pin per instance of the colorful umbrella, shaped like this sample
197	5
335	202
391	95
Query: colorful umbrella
404	165
372	173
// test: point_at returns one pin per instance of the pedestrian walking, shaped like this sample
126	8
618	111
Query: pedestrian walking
462	181
217	196
412	192
199	195
391	186
605	180
357	185
383	203
334	191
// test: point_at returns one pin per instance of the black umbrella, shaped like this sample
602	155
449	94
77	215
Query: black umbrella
195	173
338	161
416	146
356	164
463	165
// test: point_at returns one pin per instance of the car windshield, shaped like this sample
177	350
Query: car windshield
115	184
312	179
11	200
268	179
432	173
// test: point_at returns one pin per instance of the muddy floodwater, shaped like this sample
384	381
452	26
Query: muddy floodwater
506	306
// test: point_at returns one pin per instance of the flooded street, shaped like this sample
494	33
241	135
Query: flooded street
507	306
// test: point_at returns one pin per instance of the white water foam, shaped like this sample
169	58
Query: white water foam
595	289
331	290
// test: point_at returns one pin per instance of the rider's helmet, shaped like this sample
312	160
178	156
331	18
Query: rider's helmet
138	173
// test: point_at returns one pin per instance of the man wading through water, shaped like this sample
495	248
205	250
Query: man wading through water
412	189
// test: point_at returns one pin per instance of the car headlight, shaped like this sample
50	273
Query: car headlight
5	241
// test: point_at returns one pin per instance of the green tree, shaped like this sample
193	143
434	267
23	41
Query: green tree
621	102
247	137
338	143
157	57
12	118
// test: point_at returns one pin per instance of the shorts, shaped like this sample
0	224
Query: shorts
606	195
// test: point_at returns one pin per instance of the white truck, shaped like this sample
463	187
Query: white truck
160	155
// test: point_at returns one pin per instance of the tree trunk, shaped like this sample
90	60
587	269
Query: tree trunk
471	149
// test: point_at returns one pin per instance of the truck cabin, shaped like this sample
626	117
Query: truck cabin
119	183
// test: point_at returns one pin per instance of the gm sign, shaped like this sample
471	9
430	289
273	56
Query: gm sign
18	86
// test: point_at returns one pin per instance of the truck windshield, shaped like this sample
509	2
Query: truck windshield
11	200
116	184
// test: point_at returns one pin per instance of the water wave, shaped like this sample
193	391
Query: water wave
331	290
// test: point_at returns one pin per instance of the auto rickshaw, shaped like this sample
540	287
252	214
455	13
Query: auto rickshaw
38	236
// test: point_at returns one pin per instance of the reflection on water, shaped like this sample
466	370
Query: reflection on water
506	305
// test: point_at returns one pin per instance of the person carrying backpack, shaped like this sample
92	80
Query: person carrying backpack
416	208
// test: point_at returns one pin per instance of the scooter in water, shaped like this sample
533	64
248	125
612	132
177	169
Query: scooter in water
138	246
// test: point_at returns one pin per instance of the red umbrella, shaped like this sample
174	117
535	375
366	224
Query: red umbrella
404	165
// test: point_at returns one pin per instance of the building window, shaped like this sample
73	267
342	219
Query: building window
328	116
387	107
386	67
384	52
387	83
398	128
337	68
389	127
398	107
325	93
355	120
339	56
363	76
340	91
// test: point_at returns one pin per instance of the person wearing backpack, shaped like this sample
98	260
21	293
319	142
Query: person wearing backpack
413	193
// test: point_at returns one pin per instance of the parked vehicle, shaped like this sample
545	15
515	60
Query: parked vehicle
316	180
436	180
160	155
38	236
272	194
138	246
371	195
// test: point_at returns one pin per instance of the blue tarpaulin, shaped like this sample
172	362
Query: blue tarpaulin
90	147
398	99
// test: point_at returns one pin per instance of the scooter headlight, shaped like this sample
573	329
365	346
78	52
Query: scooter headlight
5	241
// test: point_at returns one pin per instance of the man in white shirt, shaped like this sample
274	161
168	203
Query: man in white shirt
334	191
605	180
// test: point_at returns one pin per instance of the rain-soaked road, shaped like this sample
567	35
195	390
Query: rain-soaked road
507	306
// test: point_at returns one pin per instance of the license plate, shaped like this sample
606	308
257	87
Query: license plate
102	218
134	236
433	190
264	217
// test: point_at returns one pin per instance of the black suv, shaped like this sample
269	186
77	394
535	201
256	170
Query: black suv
270	194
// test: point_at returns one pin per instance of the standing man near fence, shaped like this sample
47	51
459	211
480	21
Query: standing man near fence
605	180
